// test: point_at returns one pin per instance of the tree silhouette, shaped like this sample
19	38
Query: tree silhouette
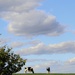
9	62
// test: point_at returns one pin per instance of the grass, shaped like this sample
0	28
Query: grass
47	74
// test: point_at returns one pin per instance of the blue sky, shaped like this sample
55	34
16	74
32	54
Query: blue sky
41	31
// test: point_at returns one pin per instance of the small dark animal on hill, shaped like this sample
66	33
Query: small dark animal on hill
29	69
48	69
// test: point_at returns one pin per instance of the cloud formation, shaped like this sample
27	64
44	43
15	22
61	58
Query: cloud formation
25	20
17	44
41	48
3	41
18	5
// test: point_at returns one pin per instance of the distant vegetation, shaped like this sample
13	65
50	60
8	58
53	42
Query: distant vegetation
9	62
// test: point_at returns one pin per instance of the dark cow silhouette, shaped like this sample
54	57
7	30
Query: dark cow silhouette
29	69
48	69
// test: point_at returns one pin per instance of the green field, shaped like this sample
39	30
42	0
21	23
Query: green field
47	74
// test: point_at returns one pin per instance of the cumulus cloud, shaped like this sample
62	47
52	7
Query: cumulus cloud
36	60
18	5
25	20
3	41
17	44
41	48
70	61
33	42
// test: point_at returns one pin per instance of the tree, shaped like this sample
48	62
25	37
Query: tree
9	62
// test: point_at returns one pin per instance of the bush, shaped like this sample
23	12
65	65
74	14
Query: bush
10	62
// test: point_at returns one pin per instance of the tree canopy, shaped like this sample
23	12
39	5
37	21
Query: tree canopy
9	62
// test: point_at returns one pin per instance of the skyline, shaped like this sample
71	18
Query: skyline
41	31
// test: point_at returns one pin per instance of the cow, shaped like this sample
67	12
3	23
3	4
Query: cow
48	69
29	69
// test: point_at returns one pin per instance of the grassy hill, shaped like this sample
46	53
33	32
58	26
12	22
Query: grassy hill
47	74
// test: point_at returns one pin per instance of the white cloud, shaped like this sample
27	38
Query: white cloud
70	61
4	41
33	42
36	60
18	5
60	48
17	44
25	20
